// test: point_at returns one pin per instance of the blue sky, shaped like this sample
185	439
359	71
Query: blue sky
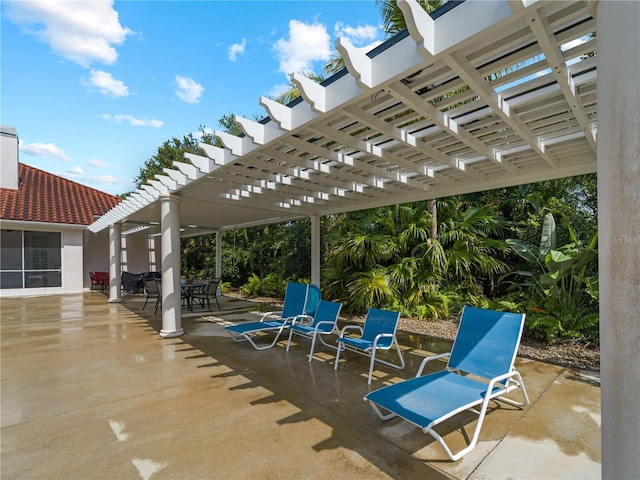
93	88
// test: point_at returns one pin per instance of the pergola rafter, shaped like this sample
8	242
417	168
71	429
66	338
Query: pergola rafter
505	97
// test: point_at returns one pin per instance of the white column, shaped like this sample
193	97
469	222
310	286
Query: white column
115	262
618	95
315	249
170	246
218	254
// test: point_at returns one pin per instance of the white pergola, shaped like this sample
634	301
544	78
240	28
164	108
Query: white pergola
388	130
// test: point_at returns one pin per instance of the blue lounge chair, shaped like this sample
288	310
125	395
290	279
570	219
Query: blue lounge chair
379	333
295	304
323	322
480	369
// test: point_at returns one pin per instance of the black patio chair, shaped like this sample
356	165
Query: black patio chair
208	292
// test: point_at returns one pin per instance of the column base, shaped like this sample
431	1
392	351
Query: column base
171	334
115	300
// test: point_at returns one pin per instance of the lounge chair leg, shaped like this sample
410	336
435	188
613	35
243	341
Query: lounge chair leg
289	341
313	345
373	360
335	367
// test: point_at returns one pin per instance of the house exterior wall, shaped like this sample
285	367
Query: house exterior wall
140	254
96	255
72	264
71	256
84	252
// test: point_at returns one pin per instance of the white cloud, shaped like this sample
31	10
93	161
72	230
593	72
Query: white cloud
188	90
133	121
44	150
307	43
278	90
105	183
237	49
83	32
107	85
97	163
362	35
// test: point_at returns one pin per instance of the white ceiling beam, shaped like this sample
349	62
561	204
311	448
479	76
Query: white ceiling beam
190	171
221	156
167	181
369	148
405	138
260	133
152	191
322	152
323	99
204	164
436	36
176	175
326	175
495	101
288	118
159	186
146	195
448	124
544	36
238	145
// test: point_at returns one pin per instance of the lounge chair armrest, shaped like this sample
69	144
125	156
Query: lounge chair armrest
428	359
500	378
302	320
325	322
380	336
350	327
266	314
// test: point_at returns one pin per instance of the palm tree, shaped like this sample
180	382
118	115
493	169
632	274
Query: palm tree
392	17
386	256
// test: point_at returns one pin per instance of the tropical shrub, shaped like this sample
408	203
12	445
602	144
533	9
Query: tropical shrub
273	285
562	284
389	258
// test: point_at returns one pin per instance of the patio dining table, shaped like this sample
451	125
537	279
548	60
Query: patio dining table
189	288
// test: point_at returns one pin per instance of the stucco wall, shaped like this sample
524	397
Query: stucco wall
72	260
96	254
141	254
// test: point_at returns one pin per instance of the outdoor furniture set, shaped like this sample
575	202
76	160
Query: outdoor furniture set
480	366
199	291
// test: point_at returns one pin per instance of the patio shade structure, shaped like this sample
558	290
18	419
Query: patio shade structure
389	130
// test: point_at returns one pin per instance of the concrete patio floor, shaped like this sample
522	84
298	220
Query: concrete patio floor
90	391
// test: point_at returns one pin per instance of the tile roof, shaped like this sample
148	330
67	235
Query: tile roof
45	197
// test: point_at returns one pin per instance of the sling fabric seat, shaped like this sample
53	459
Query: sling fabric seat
295	302
379	333
315	326
153	290
479	369
206	293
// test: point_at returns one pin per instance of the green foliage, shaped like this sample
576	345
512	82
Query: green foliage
563	284
387	258
171	151
273	285
392	18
